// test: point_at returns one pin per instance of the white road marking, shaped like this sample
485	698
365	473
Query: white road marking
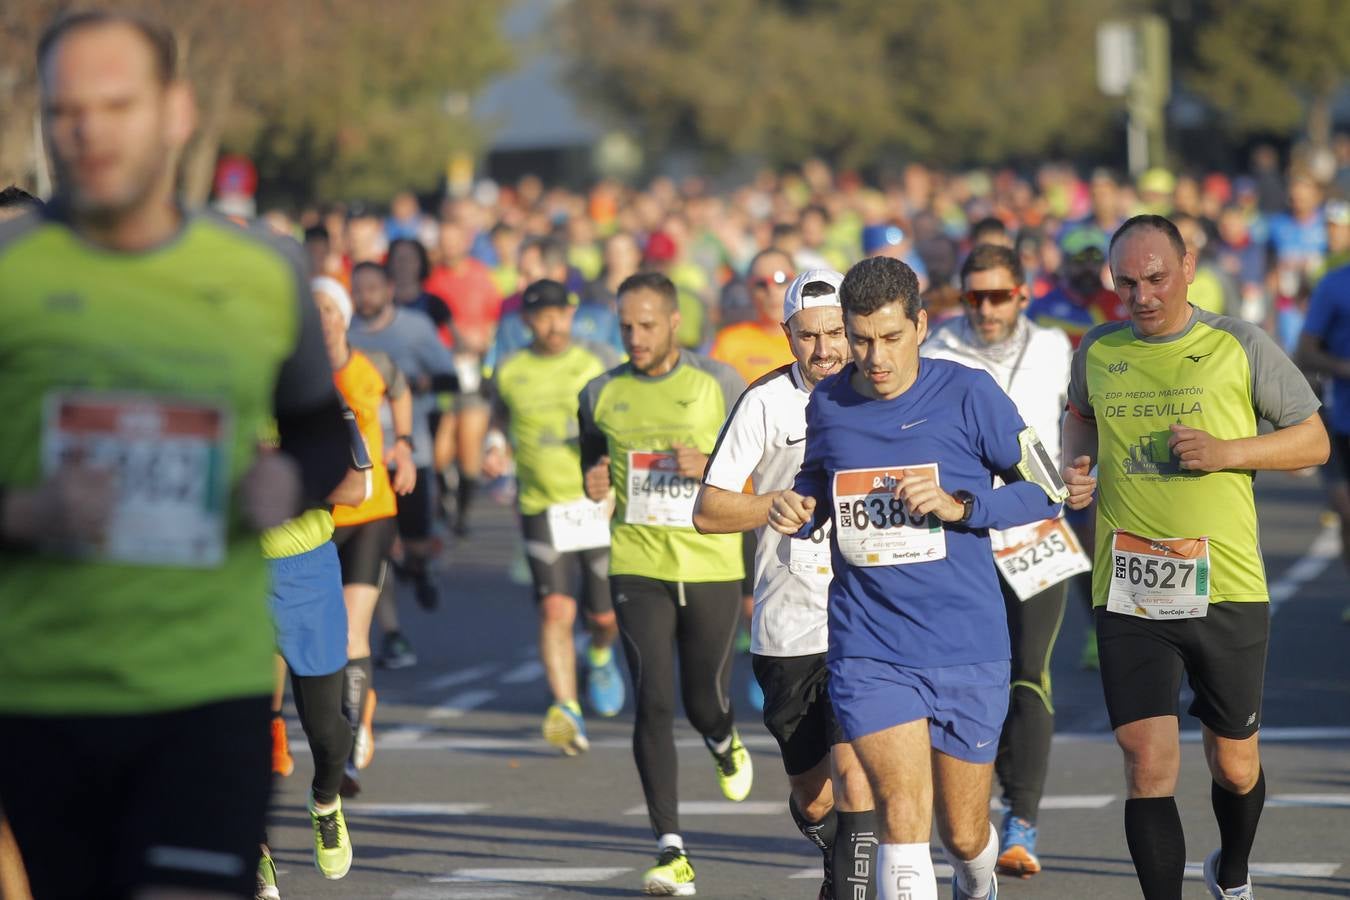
721	808
1275	870
411	810
459	704
1069	801
524	673
1324	801
1325	547
458	677
543	875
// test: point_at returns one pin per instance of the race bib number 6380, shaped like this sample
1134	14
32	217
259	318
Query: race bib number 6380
875	528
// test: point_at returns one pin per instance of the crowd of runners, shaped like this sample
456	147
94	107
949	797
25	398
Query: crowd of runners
876	436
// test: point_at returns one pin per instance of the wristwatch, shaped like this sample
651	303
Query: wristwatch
407	439
968	506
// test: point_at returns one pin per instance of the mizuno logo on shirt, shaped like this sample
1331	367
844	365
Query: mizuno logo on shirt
791	441
909	425
1197	358
684	404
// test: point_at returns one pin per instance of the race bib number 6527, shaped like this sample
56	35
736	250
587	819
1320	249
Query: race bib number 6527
875	528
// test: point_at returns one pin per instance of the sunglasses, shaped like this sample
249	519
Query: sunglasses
779	277
974	299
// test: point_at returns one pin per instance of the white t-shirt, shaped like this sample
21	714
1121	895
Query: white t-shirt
1032	367
764	440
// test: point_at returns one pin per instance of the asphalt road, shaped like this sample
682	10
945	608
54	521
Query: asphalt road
465	800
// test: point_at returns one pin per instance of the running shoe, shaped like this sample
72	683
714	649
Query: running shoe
283	763
742	642
1018	856
332	848
604	688
351	782
363	747
425	591
735	773
1212	882
267	879
672	876
398	653
958	894
564	729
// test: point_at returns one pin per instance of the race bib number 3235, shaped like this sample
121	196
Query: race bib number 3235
875	528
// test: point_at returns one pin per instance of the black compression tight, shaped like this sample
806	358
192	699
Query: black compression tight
657	619
318	700
1024	747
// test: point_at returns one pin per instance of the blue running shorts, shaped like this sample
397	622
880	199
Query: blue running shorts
307	608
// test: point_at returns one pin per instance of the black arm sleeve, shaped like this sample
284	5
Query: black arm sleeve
591	440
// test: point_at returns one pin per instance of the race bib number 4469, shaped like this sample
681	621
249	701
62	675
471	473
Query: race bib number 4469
170	460
874	528
657	493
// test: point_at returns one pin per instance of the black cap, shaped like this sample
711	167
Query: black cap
544	292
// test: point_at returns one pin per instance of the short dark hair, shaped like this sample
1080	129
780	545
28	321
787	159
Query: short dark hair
369	266
654	282
163	46
984	257
987	225
317	233
1157	223
552	251
877	281
14	195
423	260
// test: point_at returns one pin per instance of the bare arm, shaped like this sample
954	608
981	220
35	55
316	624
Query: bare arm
1287	449
1078	444
352	489
719	511
1314	358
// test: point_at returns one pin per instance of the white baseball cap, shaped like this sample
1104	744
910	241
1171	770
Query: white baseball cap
794	302
333	289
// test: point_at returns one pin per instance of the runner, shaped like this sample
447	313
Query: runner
1034	561
534	393
645	428
409	339
900	454
1167	405
367	380
1080	301
133	611
762	442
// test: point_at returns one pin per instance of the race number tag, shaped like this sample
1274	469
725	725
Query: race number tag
1044	555
171	464
1167	578
657	493
579	525
469	371
874	528
811	555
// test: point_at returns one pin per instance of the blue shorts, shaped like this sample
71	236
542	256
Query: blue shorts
307	609
965	705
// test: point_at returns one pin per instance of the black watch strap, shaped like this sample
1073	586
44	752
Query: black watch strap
968	505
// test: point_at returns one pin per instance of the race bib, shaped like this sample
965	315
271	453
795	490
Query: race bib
657	493
874	528
1045	554
171	464
469	371
811	555
1167	578
579	525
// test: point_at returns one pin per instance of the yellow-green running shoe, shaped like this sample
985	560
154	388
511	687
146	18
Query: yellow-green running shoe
672	876
332	847
564	729
735	773
267	879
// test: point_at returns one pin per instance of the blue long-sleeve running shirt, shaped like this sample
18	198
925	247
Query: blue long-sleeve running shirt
909	589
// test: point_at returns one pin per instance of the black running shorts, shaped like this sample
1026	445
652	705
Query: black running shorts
554	572
1222	655
364	549
797	708
104	805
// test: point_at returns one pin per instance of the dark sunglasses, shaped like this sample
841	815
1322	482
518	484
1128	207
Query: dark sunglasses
973	299
779	277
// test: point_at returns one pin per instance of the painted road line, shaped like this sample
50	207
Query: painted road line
411	810
1285	735
543	875
1319	801
1275	870
524	673
1069	801
458	677
1325	548
721	808
459	704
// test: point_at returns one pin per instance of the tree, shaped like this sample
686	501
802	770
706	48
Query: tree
1271	65
350	96
977	81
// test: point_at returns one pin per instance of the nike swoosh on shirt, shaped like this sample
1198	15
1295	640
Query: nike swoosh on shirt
908	425
790	441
